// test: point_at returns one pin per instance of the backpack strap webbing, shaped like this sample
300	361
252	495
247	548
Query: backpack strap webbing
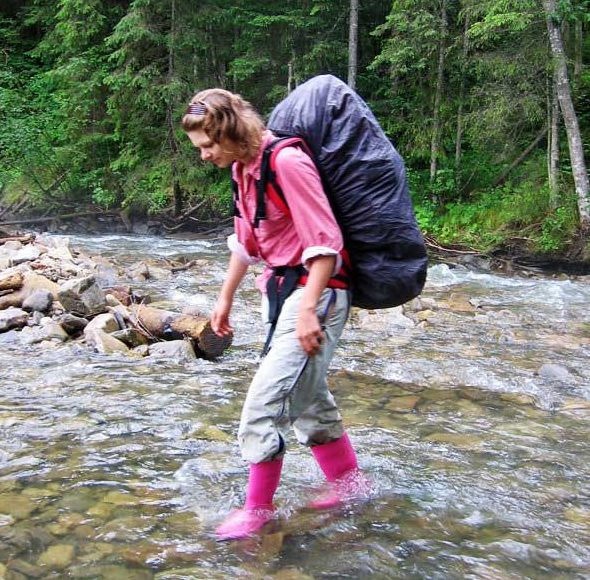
277	291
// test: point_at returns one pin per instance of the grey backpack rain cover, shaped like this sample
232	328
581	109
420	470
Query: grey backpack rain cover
365	179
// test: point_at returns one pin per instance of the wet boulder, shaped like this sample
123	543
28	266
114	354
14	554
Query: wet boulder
82	296
555	372
38	301
72	324
174	350
48	330
105	343
31	282
132	337
27	253
103	322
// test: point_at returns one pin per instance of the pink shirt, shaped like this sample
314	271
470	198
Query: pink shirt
282	240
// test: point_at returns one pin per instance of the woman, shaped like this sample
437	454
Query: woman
289	388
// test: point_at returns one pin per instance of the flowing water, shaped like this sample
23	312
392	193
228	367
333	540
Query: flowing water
472	421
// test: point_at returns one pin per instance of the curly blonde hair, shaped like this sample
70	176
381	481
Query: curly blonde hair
226	116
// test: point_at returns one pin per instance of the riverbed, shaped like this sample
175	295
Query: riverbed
470	412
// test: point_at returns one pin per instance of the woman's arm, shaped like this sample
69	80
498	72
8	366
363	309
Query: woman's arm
236	271
308	329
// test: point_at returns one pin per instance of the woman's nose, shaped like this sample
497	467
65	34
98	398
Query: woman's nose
205	154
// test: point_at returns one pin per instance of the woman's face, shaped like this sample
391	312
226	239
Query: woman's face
220	154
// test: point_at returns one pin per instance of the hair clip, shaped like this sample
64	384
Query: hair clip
196	109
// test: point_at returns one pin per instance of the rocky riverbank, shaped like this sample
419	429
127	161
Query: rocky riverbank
51	293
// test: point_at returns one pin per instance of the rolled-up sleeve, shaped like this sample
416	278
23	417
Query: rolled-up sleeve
236	247
312	215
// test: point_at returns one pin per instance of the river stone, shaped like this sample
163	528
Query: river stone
26	568
425	315
139	272
131	337
192	572
519	399
57	557
28	253
405	404
461	440
38	301
142	350
82	296
120	498
578	515
101	510
13	318
579	408
105	343
48	331
112	572
72	324
103	322
211	433
383	320
121	293
18	506
459	303
555	372
65	524
126	529
173	350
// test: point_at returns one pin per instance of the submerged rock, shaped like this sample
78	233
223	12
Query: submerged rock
174	350
555	372
57	557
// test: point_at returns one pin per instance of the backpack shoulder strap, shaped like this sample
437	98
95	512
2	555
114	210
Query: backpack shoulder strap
268	176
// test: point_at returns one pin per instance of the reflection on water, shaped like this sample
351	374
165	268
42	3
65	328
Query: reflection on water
111	468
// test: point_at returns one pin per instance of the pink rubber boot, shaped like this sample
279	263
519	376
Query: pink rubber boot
346	481
258	510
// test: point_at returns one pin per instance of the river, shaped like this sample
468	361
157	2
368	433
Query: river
472	419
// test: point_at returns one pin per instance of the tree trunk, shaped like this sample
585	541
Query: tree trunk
177	190
353	31
459	135
578	51
521	157
554	145
570	118
436	123
290	78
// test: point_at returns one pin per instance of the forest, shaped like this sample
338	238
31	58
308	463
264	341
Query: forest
488	101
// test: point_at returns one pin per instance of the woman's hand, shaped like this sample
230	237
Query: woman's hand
220	318
309	332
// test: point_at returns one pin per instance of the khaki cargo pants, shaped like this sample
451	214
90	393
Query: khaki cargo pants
276	401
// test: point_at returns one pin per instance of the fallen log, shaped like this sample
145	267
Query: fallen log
168	325
65	216
11	281
23	239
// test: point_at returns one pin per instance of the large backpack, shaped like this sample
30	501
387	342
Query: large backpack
365	180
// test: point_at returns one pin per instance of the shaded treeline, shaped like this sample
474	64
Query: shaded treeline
473	92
